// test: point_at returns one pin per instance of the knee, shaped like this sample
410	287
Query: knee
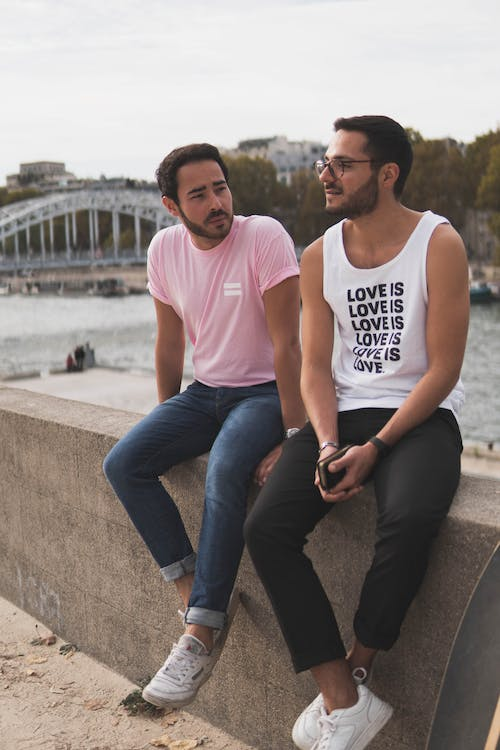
115	464
251	532
258	532
413	526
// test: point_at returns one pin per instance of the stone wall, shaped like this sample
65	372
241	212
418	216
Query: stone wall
70	557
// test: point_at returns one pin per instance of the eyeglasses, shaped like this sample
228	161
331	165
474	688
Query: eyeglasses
337	167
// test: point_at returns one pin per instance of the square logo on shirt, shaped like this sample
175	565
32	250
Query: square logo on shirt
232	289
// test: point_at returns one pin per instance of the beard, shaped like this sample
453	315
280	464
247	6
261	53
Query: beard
360	203
207	230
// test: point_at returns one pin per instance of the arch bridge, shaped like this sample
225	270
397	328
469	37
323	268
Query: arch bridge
35	215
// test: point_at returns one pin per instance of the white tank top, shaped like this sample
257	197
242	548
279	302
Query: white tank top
381	316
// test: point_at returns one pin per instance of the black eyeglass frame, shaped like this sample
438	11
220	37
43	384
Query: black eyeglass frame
320	165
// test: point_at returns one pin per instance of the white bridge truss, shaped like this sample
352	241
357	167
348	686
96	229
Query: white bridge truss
32	215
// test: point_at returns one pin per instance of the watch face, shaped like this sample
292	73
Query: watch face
291	431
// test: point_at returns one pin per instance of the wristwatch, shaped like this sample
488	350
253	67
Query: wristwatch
383	449
332	443
291	431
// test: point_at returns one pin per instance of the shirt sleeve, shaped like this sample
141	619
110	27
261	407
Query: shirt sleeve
276	259
157	285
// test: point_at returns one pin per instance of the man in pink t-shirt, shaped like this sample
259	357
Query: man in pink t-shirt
231	284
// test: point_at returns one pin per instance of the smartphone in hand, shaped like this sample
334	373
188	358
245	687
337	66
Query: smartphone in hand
328	479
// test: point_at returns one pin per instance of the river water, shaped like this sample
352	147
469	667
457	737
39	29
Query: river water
37	333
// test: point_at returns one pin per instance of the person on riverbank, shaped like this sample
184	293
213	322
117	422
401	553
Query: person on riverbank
396	282
232	283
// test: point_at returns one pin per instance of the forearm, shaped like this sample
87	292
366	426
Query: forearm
169	368
422	401
287	368
320	401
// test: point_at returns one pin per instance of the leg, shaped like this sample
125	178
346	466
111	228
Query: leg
414	486
180	428
287	509
252	426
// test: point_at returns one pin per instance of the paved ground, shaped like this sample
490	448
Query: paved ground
49	701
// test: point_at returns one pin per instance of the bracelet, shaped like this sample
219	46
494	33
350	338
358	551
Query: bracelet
291	432
383	449
328	442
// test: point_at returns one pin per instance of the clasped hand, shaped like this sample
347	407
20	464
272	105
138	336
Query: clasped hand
358	463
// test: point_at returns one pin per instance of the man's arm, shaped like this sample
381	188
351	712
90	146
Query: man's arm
317	385
446	333
169	351
282	305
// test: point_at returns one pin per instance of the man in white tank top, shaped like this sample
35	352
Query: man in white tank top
395	281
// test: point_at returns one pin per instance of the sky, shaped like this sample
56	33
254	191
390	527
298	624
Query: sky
111	86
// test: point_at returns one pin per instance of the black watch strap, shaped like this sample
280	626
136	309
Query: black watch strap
383	449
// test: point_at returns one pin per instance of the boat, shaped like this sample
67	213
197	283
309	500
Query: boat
494	287
112	287
480	293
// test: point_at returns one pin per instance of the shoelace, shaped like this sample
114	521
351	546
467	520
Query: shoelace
326	727
179	662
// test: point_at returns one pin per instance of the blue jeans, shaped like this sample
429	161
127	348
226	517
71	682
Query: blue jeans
239	426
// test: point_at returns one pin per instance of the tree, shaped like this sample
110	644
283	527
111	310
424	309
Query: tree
477	157
312	219
252	183
438	180
488	192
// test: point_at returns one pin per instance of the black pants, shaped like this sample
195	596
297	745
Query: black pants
414	486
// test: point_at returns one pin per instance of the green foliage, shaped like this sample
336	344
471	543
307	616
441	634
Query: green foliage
16	195
253	184
311	217
438	180
488	192
477	157
414	136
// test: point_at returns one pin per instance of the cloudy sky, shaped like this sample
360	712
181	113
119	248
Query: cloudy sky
110	86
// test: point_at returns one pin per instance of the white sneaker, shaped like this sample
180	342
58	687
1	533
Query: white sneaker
306	729
188	666
353	728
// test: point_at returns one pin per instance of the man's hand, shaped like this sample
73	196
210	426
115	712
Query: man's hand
266	466
358	463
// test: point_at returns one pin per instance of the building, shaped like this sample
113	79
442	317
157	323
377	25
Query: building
287	156
41	175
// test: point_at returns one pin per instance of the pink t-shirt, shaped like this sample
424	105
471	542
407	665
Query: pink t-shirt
218	295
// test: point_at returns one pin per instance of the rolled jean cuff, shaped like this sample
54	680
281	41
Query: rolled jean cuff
180	568
208	617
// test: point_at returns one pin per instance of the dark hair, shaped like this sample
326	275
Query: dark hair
387	141
166	174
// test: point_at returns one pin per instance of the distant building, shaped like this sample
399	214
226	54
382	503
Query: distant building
51	176
42	175
287	156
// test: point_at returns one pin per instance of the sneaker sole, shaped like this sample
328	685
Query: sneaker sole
377	724
175	702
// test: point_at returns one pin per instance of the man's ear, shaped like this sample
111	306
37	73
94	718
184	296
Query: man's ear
389	174
170	205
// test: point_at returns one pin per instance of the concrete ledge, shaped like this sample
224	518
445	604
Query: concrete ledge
70	557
